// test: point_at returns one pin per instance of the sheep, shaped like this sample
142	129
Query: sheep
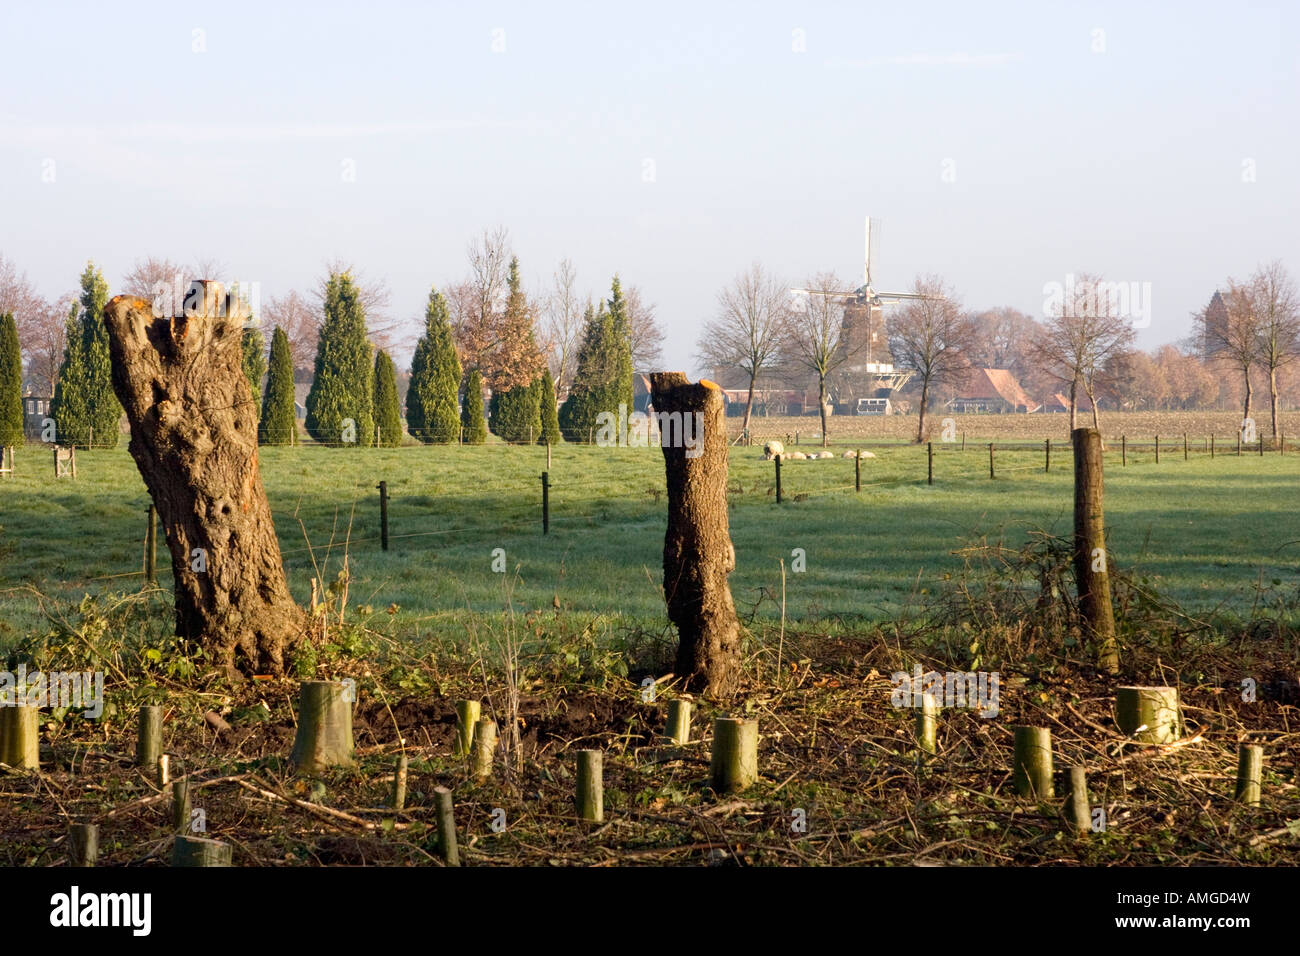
772	449
795	456
827	454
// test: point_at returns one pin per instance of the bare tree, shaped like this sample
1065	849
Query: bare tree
300	322
647	338
17	294
43	335
478	302
563	325
750	327
30	311
166	283
818	340
1232	339
1080	333
1277	310
932	337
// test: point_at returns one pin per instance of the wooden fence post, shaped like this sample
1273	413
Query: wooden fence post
1047	455
857	470
1123	451
1157	449
777	462
383	515
990	459
546	502
1091	561
929	463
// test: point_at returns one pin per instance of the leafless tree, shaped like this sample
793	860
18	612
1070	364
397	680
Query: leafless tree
563	325
19	296
749	329
167	283
1233	338
1080	333
1277	308
933	338
43	336
300	322
818	340
478	302
647	338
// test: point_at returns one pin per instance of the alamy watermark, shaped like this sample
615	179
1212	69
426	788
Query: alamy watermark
675	430
1087	298
977	690
71	689
176	298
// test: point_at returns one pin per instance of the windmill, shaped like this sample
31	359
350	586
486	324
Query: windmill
865	306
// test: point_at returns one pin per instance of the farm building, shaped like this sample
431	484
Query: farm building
35	410
1061	403
991	390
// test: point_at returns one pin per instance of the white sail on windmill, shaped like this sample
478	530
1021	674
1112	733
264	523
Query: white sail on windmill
867	298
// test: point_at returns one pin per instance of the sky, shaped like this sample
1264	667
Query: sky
999	146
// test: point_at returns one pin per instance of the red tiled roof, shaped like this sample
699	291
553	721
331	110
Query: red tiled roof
994	384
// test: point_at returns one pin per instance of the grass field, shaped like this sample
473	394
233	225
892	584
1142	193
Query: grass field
1205	532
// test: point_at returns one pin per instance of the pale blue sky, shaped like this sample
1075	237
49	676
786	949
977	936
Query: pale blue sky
1127	162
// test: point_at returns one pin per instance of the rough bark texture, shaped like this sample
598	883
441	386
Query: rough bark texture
1091	570
194	439
698	554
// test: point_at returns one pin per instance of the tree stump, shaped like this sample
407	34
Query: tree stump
83	844
698	554
1033	762
590	790
324	737
1148	715
1090	558
1078	812
679	721
20	736
200	851
194	439
734	762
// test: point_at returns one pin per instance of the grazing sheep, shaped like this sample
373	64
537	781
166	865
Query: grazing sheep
850	454
867	454
827	454
772	449
796	456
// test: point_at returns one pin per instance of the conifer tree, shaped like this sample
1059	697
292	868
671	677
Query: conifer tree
254	345
473	426
603	380
432	408
84	404
341	401
388	410
516	411
550	420
279	419
11	383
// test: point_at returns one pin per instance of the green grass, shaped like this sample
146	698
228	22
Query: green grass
1204	532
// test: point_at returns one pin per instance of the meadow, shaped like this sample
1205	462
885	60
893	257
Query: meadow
1219	533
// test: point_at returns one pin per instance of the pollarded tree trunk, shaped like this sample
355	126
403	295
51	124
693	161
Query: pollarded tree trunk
698	554
194	439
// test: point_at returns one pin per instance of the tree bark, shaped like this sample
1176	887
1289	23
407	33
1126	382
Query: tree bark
1245	413
194	440
821	405
749	404
925	399
1074	406
698	554
1272	397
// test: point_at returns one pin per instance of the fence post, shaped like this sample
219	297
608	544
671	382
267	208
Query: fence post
929	463
1091	562
990	459
151	546
546	502
857	470
1047	455
777	461
1157	449
963	439
1184	446
1123	451
383	515
1211	446
1261	446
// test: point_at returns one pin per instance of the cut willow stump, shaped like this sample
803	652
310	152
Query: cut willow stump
83	844
485	745
1033	763
1078	812
148	737
1250	767
324	736
734	763
591	786
698	553
194	439
467	715
1148	715
679	721
1091	562
20	736
927	724
181	808
200	851
399	783
446	826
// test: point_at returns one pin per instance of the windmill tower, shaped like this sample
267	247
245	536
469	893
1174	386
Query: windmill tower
864	314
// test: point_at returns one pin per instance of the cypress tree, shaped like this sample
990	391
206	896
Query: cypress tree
471	418
11	383
603	379
546	401
342	388
254	362
388	411
432	409
516	408
279	421
84	399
